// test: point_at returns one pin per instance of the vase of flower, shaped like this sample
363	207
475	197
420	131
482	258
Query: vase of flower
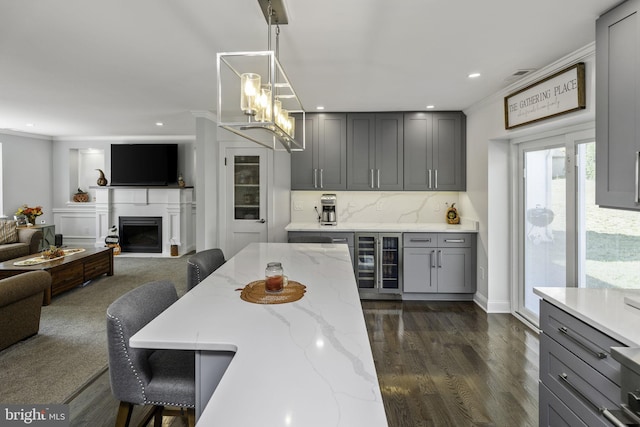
30	213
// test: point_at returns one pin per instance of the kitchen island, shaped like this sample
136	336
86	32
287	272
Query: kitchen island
304	363
582	381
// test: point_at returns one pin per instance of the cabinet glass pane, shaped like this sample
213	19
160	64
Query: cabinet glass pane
366	270
246	187
389	261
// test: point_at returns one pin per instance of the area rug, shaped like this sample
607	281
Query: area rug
71	347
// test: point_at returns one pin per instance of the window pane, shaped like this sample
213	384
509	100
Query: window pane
545	219
608	239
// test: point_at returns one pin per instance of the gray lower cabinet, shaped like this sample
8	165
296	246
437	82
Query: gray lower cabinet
435	151
617	115
375	144
323	163
442	263
578	376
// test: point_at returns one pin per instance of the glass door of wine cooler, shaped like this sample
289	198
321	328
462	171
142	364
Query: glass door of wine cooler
378	261
390	255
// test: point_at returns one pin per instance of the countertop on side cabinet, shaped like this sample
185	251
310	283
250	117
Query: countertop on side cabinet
604	309
392	227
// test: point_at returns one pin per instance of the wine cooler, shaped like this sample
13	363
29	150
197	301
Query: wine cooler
379	264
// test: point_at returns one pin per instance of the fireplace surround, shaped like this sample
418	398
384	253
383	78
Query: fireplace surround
173	207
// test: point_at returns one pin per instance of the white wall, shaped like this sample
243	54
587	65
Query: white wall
489	176
27	173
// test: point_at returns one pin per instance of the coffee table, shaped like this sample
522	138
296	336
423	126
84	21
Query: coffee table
66	273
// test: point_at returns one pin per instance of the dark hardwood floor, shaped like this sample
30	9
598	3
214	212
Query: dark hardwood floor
438	363
451	364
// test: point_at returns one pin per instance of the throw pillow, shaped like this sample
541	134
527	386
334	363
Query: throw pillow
8	232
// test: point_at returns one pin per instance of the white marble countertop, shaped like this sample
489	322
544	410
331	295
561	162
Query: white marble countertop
306	363
402	227
604	309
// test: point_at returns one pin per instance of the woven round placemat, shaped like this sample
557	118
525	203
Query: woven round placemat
255	292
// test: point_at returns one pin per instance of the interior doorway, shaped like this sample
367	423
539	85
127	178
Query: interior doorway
246	198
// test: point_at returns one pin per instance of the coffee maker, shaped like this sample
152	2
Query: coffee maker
329	215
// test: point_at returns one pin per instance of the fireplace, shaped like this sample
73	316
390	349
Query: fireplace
140	233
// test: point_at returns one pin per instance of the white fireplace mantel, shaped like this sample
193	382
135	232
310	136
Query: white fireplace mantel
173	204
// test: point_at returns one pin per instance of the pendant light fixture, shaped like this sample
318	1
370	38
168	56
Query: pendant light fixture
255	97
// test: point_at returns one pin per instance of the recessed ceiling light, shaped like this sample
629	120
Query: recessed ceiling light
159	124
474	75
430	107
320	107
30	125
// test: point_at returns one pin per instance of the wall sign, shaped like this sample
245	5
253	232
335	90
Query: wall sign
560	93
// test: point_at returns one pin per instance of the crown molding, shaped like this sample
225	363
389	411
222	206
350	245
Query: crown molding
579	55
126	138
25	134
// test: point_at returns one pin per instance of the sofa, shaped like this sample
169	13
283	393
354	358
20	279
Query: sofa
21	305
18	241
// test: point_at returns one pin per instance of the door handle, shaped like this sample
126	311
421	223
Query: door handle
372	183
429	178
439	258
637	196
436	179
433	259
321	178
378	172
261	221
315	178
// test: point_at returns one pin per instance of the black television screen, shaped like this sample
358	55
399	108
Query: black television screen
144	164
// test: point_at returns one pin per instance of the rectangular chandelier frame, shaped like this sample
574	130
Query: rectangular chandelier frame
230	66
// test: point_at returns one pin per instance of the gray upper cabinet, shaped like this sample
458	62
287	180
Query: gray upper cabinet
435	151
374	151
323	163
617	113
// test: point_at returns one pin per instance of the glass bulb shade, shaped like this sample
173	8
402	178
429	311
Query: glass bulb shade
292	126
264	105
249	92
277	106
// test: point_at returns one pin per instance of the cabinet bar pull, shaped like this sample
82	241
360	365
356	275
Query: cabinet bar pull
429	178
454	240
433	259
599	354
637	196
436	178
315	178
336	240
321	178
420	240
439	258
604	411
378	173
371	177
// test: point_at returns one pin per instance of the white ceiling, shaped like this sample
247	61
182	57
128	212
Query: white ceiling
106	68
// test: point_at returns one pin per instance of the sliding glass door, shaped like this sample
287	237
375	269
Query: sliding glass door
564	238
544	239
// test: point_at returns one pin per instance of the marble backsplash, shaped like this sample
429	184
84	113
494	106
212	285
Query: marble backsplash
376	206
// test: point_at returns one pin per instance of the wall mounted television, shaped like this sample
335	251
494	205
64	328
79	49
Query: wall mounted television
144	164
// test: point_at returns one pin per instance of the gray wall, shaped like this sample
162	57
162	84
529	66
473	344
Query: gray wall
27	173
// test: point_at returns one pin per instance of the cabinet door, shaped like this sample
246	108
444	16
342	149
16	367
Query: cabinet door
331	151
417	151
304	173
389	152
617	86
390	262
418	269
449	152
361	151
454	270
